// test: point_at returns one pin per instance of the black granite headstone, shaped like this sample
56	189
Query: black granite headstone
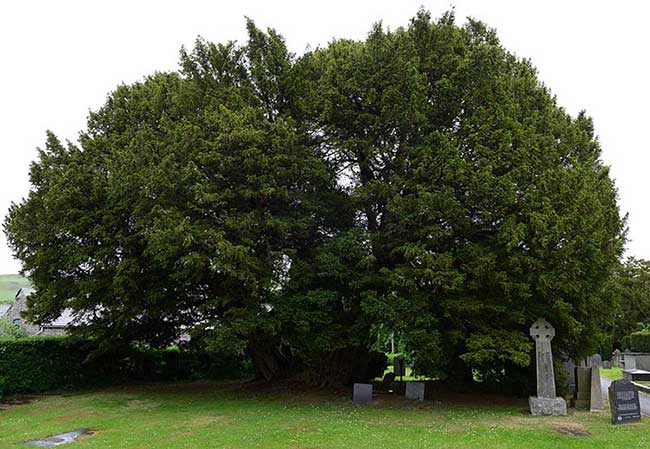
624	402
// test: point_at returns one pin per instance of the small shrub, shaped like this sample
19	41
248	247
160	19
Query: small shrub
50	363
10	330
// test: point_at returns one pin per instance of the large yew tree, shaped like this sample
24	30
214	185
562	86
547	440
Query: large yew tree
422	181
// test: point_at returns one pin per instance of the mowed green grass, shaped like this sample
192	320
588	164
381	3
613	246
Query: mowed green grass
10	284
612	373
226	416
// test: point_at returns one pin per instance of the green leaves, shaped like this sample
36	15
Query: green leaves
422	181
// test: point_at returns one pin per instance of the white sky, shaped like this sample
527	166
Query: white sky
59	59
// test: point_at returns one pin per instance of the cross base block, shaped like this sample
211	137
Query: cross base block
547	406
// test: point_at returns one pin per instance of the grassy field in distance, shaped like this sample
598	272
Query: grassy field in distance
10	284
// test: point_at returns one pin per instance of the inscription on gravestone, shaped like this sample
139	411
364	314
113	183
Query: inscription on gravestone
624	402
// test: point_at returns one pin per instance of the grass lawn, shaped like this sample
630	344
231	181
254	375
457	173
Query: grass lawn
9	286
612	373
227	416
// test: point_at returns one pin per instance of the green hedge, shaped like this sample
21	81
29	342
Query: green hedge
42	364
637	341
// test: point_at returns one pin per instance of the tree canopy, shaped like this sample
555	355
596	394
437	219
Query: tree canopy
422	181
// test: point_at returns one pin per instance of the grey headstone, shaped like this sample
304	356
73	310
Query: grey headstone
546	402
624	402
596	399
642	361
415	391
362	393
592	360
596	360
617	358
607	364
629	361
570	368
583	388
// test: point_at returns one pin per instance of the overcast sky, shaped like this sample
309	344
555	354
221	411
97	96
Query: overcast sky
59	59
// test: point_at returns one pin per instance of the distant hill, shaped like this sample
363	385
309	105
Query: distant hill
10	284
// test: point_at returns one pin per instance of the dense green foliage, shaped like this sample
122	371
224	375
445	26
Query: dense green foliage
10	330
422	182
637	341
41	364
629	289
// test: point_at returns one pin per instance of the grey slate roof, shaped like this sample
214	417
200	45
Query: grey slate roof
24	292
20	304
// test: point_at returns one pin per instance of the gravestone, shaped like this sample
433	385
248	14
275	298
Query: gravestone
624	402
546	402
596	399
399	366
415	391
570	369
362	393
596	360
592	360
607	364
617	358
583	388
589	393
629	361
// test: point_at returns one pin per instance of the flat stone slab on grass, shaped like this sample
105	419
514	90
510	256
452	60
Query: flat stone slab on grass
59	439
636	374
547	406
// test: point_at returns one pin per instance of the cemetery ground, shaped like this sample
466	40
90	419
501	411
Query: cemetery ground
612	373
235	415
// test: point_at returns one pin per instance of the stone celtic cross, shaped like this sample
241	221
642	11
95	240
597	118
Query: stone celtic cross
542	332
545	403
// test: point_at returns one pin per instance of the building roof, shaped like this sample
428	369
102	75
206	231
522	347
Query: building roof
20	304
24	292
64	320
